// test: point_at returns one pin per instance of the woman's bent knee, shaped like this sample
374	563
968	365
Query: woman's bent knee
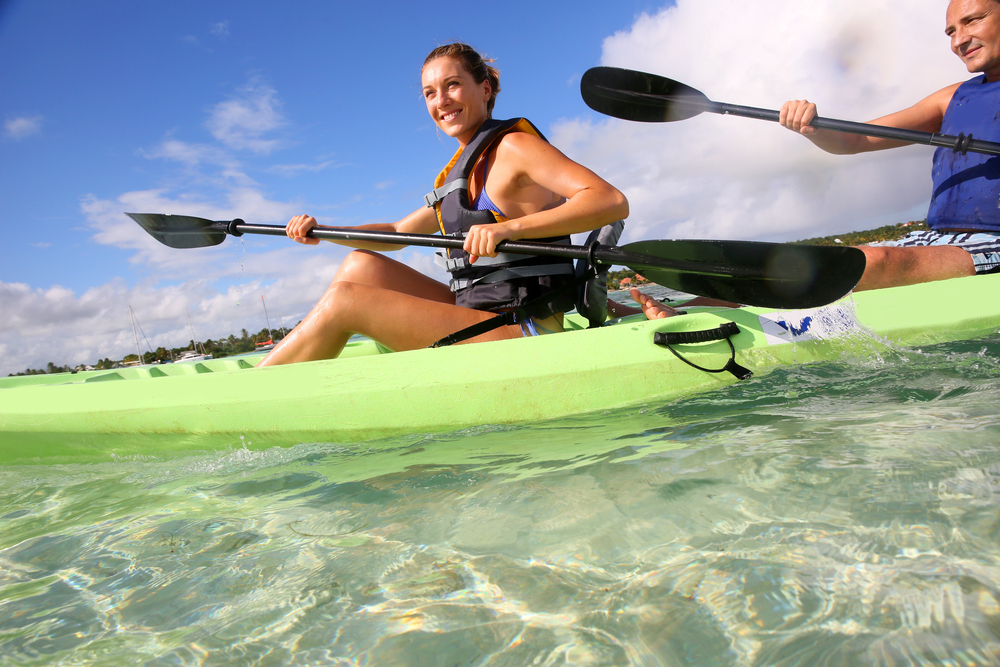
339	291
338	301
360	265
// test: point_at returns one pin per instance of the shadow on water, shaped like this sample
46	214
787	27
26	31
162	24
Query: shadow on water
839	513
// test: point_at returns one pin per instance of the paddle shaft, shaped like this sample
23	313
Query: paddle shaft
961	144
770	275
597	254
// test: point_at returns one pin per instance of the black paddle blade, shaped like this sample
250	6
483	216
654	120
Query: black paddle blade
632	95
768	275
181	231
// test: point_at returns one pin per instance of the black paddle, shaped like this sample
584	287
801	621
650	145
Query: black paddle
770	275
632	95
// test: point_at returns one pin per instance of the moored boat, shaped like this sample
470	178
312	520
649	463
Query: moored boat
367	394
192	355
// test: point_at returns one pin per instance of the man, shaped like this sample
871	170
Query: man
964	214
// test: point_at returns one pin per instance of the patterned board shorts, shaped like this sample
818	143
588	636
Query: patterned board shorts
983	246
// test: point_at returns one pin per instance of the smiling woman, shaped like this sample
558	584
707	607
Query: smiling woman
505	182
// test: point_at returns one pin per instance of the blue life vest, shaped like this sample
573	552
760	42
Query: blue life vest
507	281
967	187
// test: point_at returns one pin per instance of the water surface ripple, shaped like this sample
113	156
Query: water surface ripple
835	514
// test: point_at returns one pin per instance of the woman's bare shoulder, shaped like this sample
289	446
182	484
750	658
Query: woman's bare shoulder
520	142
525	149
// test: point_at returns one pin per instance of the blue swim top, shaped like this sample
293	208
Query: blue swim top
483	201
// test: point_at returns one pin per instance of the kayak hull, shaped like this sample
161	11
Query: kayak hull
364	395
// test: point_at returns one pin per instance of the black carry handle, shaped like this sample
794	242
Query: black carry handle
722	332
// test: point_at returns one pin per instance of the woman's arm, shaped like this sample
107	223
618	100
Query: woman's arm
925	116
525	168
421	221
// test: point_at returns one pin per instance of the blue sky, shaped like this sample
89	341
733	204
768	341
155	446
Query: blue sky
264	110
108	82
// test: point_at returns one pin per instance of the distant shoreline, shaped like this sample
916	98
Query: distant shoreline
886	233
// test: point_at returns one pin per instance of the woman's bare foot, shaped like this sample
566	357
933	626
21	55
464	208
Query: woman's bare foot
654	310
651	308
705	301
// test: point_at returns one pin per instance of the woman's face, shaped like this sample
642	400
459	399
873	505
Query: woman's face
454	100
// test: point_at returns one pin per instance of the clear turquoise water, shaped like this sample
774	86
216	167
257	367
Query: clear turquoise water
836	514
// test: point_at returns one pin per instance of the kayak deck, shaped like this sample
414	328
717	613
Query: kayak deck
366	395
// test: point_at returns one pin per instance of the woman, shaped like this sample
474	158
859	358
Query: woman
518	187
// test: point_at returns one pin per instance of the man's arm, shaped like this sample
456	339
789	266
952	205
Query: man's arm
925	116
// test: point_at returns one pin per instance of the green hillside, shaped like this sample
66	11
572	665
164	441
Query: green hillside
887	233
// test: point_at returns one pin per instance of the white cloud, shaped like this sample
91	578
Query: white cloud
728	177
220	286
293	169
190	154
241	122
221	28
112	227
238	124
24	126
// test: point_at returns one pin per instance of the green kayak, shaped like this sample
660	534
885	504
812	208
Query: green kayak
367	394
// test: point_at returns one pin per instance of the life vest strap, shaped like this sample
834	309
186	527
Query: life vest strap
452	265
503	319
513	272
437	194
516	316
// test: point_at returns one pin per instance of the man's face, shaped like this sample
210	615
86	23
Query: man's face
974	29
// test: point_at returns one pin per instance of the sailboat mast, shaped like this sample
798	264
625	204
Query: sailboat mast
131	318
194	345
194	342
266	318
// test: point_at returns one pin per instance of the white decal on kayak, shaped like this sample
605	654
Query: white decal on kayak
798	326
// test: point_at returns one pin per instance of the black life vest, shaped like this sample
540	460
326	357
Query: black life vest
507	281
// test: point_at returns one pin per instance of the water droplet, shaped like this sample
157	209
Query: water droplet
241	253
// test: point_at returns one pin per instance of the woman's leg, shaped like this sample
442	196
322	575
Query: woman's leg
365	267
413	313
